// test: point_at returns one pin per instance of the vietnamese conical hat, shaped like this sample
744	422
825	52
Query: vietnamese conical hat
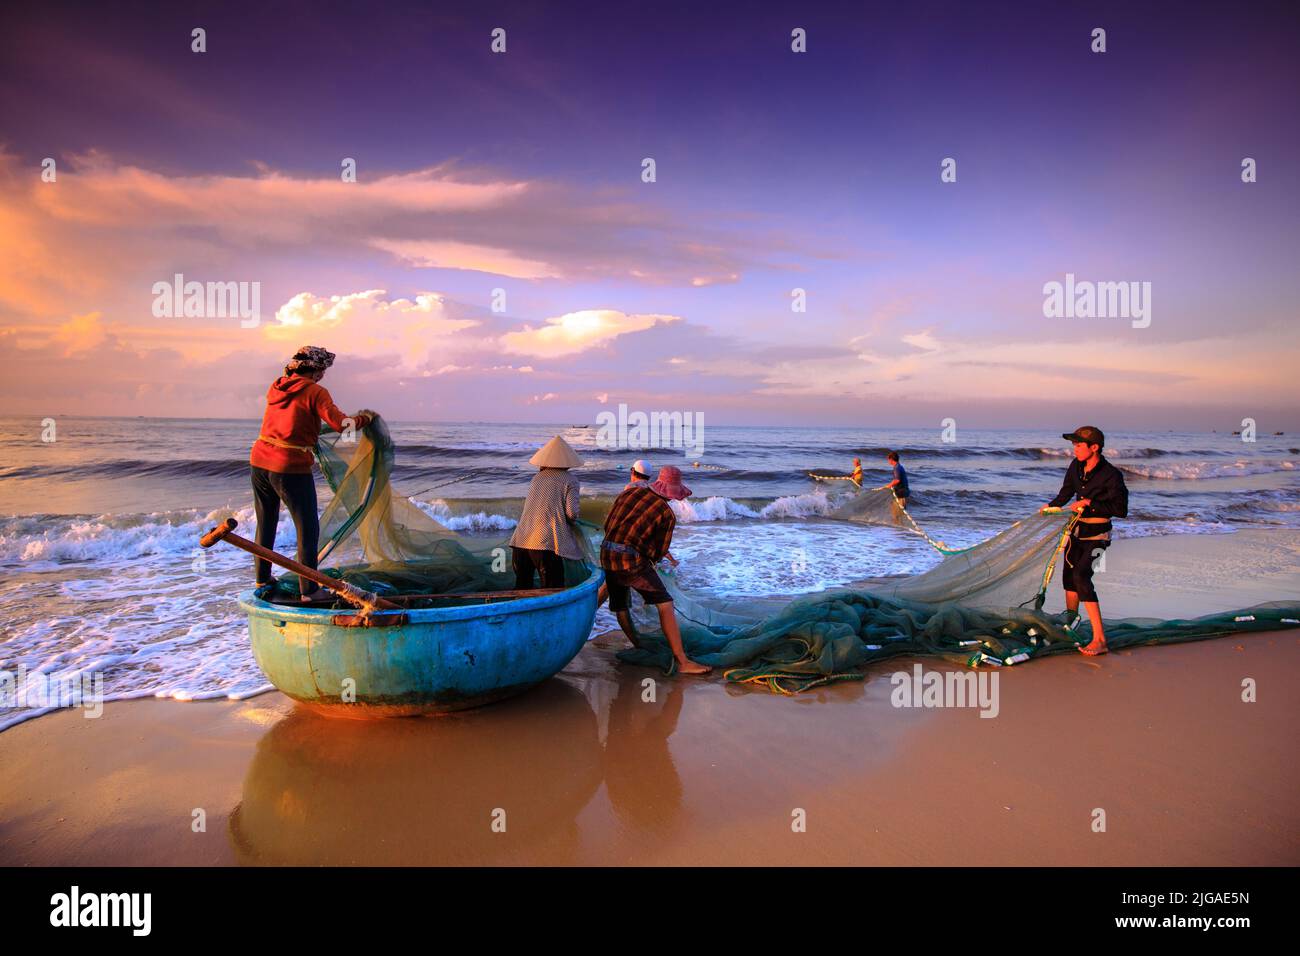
556	453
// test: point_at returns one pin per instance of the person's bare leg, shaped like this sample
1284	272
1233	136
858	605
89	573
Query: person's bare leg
1098	644
668	622
625	622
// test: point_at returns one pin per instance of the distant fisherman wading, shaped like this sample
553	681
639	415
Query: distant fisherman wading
899	483
1102	495
281	458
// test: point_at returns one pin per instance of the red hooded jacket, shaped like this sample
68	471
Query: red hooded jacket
294	408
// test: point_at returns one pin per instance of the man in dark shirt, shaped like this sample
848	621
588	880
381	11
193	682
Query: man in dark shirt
899	484
638	533
1102	495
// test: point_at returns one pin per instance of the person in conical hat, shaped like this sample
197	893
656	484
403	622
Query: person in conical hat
545	535
556	453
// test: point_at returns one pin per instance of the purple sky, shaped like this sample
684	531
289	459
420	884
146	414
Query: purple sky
775	170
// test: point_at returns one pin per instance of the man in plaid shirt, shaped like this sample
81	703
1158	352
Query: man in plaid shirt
638	532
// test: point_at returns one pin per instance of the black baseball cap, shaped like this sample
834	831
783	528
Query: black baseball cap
1086	433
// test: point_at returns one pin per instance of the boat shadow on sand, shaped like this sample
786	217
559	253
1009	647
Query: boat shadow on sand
421	790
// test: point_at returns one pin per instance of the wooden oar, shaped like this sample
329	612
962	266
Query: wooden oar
353	595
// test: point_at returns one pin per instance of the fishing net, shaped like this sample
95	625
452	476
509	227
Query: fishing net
982	606
386	544
876	506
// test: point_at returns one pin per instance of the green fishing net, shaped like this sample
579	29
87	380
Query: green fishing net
980	606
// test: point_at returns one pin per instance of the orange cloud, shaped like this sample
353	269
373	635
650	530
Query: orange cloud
464	255
82	333
268	206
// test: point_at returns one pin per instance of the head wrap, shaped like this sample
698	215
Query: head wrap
309	359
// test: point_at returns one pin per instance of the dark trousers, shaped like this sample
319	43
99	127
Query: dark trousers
1077	576
526	561
298	493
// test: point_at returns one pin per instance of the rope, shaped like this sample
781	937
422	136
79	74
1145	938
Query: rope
787	683
1060	546
793	683
278	443
837	478
441	484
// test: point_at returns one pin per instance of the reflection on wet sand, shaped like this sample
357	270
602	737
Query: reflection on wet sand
422	790
640	777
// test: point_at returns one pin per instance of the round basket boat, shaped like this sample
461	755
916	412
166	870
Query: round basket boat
421	661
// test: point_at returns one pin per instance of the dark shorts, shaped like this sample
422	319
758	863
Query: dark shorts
645	581
1077	573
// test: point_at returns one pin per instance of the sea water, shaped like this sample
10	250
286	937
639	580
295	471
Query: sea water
100	570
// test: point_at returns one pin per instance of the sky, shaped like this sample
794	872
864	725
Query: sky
500	257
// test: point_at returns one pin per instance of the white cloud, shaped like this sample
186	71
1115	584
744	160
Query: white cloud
578	331
410	332
925	341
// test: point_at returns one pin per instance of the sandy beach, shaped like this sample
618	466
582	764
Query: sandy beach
589	772
347	357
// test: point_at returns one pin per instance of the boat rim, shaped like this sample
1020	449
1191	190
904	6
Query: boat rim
255	606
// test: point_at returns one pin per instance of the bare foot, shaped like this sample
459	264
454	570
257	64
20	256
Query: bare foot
1096	648
692	667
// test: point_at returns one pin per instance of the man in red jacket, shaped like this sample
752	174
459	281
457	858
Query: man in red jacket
281	458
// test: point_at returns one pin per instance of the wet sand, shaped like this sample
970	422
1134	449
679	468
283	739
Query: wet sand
587	771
